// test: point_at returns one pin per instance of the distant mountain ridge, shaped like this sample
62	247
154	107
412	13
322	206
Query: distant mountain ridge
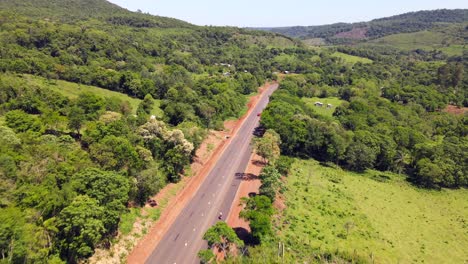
404	23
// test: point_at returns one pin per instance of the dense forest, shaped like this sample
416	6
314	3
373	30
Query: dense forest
70	166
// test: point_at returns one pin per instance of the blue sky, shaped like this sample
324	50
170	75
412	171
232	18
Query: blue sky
247	13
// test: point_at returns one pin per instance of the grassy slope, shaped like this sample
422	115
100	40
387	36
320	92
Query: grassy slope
350	59
426	40
391	220
268	41
324	111
72	90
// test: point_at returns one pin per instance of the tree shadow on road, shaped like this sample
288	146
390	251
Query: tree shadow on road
246	176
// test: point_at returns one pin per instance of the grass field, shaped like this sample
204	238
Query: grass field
350	59
72	90
425	40
269	41
454	50
373	214
324	111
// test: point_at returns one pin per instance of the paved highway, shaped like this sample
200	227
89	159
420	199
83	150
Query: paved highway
183	240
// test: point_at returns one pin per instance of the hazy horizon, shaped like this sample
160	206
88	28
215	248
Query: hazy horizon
274	13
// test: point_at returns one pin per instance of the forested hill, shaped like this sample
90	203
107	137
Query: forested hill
74	10
404	23
98	43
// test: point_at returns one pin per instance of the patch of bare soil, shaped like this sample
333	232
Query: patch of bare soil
455	110
355	33
279	202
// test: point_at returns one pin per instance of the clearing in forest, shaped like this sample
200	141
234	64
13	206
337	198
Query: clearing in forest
351	59
73	90
323	110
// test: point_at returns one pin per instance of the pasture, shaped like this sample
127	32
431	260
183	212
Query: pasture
72	90
425	40
378	216
351	59
323	111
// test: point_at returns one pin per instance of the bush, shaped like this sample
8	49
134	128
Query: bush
284	164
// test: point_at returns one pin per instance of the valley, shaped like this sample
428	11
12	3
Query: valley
124	137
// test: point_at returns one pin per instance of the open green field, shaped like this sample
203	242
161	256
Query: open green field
454	50
323	111
269	41
72	90
350	59
425	40
375	215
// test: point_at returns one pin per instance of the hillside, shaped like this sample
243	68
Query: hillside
450	39
72	11
404	23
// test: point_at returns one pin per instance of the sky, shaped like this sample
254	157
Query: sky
270	13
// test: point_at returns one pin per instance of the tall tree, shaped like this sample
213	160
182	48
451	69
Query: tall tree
76	118
80	228
267	146
223	237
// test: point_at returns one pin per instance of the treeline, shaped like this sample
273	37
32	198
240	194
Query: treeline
372	133
202	74
404	23
72	11
135	61
69	168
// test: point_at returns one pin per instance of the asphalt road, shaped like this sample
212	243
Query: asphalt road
183	240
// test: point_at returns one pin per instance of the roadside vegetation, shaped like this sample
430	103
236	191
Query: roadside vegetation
369	217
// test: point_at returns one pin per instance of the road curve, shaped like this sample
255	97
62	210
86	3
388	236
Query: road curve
183	240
